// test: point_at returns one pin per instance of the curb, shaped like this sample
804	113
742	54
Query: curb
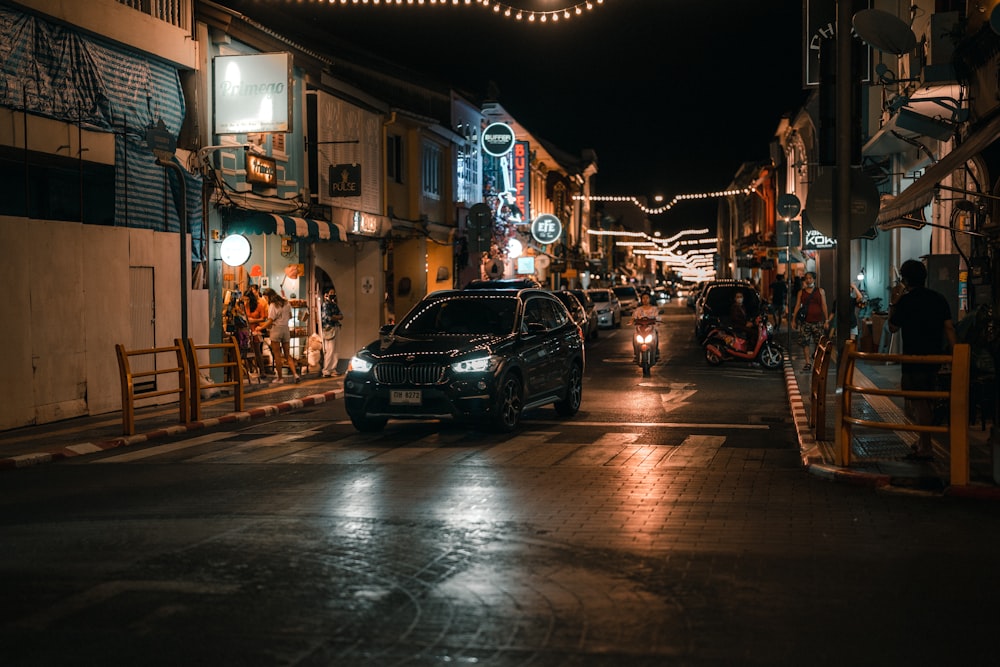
809	450
37	458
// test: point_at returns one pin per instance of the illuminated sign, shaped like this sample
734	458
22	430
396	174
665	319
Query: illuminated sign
498	139
253	93
261	170
546	228
522	178
345	180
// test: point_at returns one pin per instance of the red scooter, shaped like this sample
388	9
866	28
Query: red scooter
646	343
723	345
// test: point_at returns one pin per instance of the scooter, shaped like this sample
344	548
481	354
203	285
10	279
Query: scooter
646	342
724	345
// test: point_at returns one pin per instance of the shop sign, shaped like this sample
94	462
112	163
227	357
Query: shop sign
816	240
252	93
365	224
498	139
261	170
345	180
522	180
546	228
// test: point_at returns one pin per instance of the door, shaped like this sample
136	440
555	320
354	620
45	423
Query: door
142	324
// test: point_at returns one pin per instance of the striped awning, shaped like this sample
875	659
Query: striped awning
285	225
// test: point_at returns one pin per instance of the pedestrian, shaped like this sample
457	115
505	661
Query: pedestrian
256	307
858	302
810	316
279	313
779	295
331	319
923	317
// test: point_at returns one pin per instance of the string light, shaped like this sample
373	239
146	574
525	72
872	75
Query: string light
692	263
648	210
501	9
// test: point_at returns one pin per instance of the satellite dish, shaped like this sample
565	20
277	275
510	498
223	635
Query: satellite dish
884	31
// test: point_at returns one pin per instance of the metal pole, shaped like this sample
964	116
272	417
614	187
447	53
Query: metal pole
183	243
842	183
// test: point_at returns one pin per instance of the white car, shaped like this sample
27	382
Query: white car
609	309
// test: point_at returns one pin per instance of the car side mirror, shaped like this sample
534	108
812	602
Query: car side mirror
386	329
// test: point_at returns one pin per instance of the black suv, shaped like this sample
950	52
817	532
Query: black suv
479	354
712	307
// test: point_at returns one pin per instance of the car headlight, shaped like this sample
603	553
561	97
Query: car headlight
359	365
475	365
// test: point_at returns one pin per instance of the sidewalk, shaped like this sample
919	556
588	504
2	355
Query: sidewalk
32	445
878	457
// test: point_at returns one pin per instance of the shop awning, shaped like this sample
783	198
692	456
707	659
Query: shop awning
284	225
914	198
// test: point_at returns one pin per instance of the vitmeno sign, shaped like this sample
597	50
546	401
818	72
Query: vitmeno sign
253	93
498	139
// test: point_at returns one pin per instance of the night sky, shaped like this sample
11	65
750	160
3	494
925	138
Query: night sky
673	95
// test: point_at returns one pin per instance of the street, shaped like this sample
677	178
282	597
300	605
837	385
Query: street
669	522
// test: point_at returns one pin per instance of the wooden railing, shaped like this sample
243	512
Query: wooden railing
817	386
129	397
231	362
957	395
189	382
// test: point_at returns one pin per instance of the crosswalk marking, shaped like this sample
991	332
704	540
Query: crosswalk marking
541	449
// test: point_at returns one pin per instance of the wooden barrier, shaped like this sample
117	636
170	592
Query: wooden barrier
127	378
232	363
817	386
957	395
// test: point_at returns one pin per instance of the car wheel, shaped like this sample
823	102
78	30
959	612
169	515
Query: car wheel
618	323
574	394
509	405
369	424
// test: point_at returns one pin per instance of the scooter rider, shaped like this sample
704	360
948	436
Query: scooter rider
742	325
646	310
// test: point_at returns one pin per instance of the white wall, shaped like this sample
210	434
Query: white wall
67	299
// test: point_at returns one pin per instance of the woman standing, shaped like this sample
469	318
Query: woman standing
279	312
811	324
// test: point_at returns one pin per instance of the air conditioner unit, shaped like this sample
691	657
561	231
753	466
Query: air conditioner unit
940	49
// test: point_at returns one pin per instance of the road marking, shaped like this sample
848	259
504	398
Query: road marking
751	427
677	396
697	451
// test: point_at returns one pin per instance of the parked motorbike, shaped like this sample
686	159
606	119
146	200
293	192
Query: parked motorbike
646	342
722	344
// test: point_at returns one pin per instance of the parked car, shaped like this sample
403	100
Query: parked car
579	314
628	297
712	308
588	304
480	355
609	310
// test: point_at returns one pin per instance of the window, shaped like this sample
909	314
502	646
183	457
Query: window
431	170
54	187
394	157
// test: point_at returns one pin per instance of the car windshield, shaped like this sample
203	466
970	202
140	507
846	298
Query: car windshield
492	315
600	296
626	293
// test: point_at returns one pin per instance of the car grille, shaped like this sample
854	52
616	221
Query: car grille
393	373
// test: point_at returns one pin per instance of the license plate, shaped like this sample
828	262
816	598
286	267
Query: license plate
400	397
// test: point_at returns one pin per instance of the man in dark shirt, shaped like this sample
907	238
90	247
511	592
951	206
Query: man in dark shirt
924	317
